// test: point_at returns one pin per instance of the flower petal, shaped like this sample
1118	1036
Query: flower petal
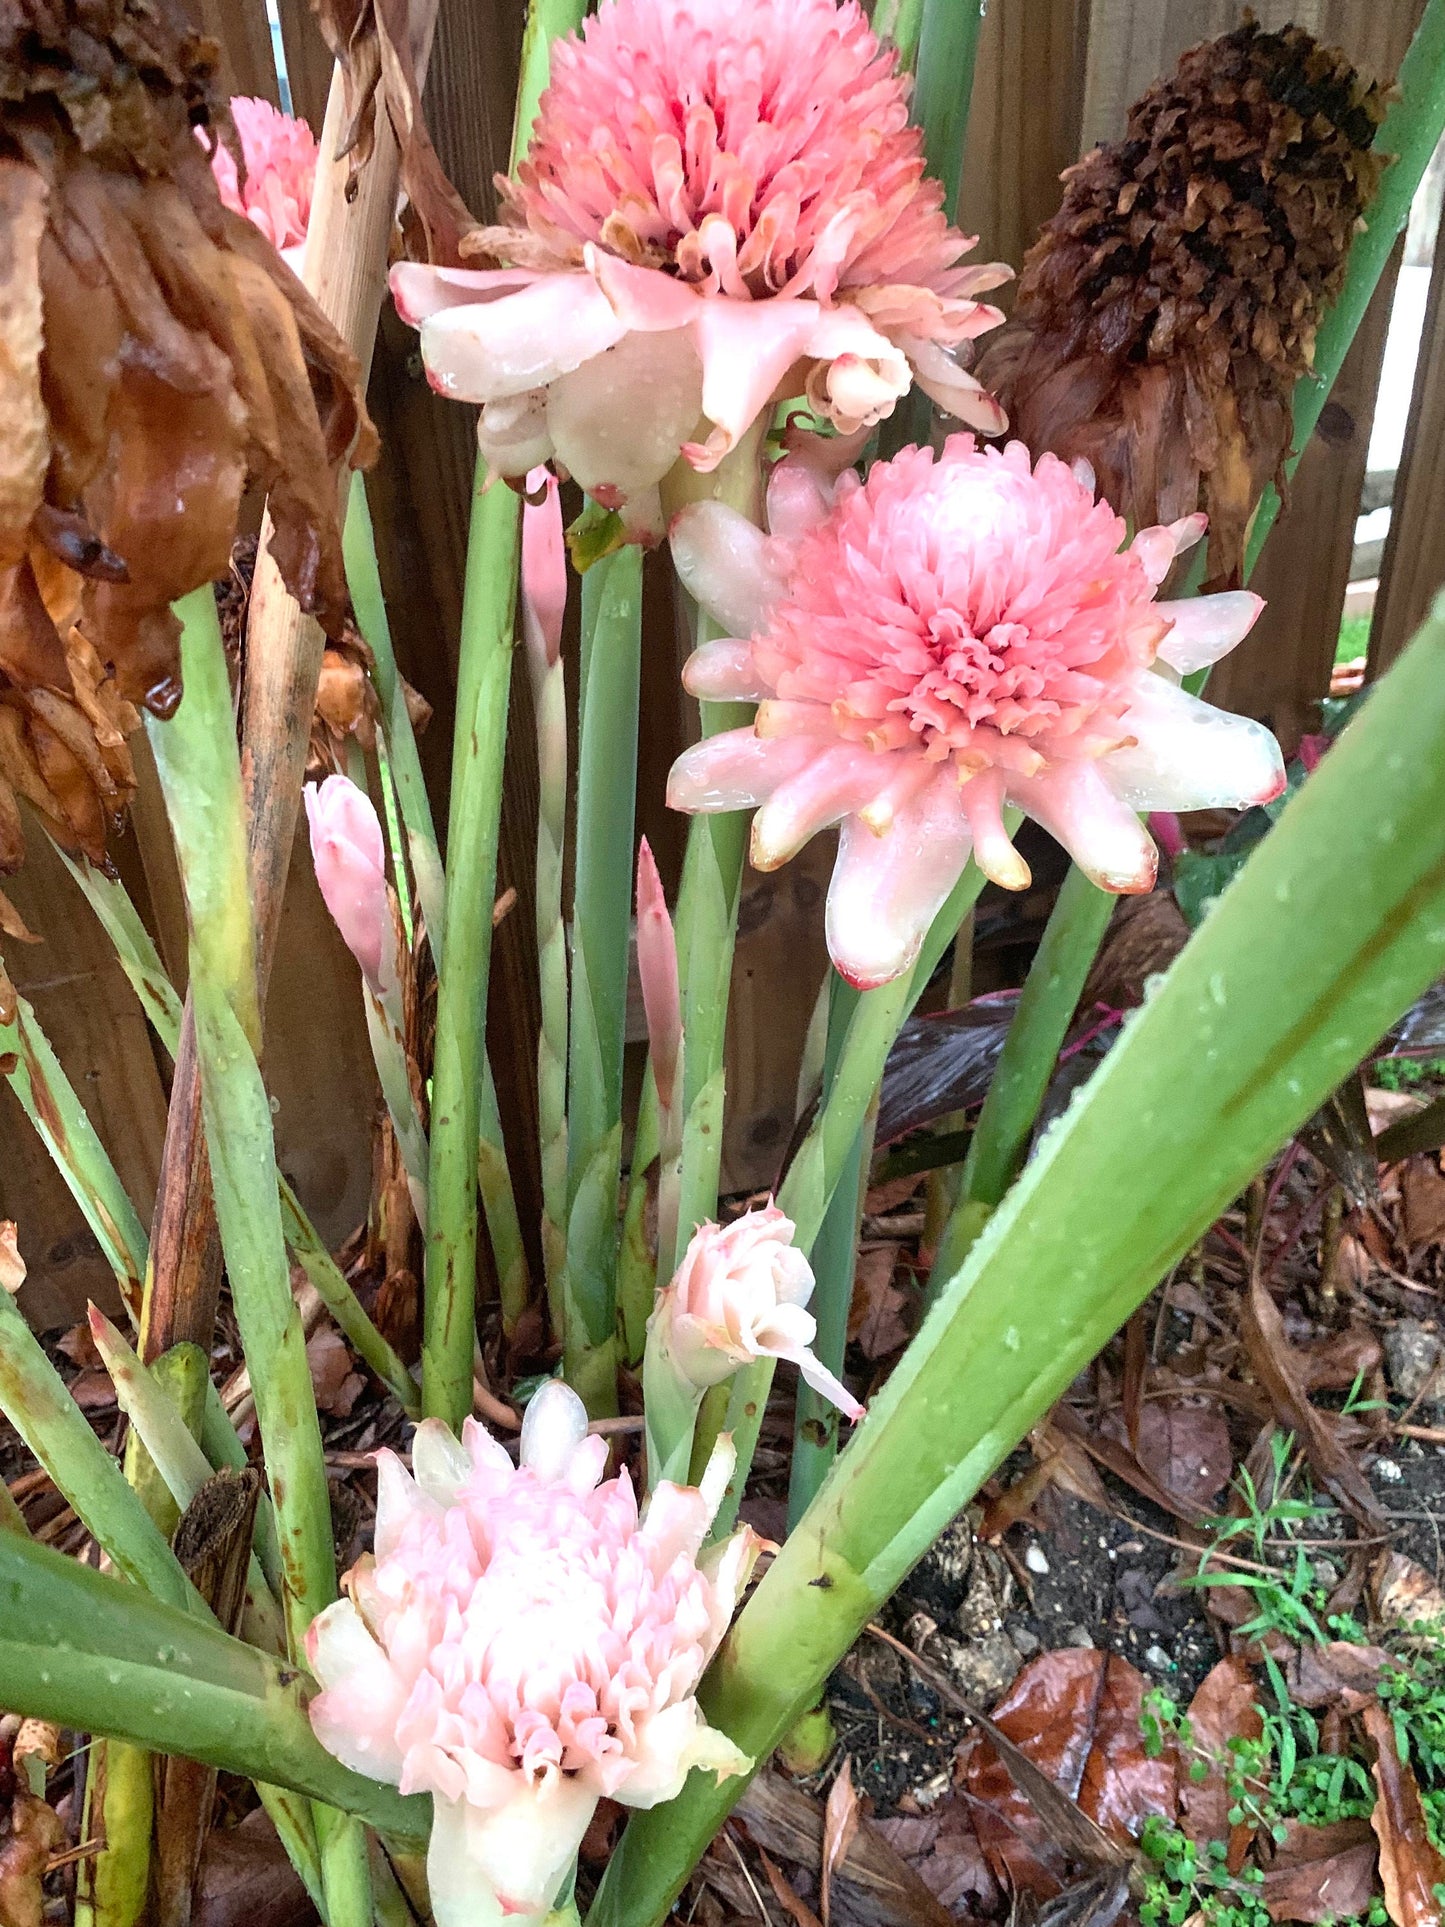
1189	755
1207	627
440	1464
553	1428
355	1714
512	433
834	783
619	420
993	851
674	1741
957	392
420	292
735	771
747	347
721	557
490	1865
520	341
886	890
398	1498
1077	807
723	672
544	570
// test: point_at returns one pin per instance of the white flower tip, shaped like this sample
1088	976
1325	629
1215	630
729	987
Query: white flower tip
12	1265
553	1426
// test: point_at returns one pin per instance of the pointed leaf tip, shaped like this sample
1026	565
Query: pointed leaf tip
657	967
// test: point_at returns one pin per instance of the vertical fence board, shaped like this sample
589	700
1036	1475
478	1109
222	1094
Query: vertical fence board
1414	562
248	65
308	60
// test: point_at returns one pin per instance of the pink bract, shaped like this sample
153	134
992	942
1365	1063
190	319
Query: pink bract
278	153
739	1295
926	647
349	854
521	1644
720	203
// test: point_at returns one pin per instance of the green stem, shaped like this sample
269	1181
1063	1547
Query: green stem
601	925
127	1665
200	772
947	55
545	20
494	1178
900	21
549	691
1248	1035
637	1261
472	834
1045	1010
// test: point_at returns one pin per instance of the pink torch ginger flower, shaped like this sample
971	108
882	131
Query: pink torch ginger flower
952	636
721	203
739	1295
349	853
278	153
520	1645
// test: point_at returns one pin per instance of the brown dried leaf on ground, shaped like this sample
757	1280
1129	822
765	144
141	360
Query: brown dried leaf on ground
337	1383
1075	1714
156	358
1410	1866
797	1910
1333	1364
1321	1873
1338	1676
31	1833
1185	1445
876	1320
840	1823
1167	310
1222	1710
247	1881
377	45
1405	1594
871	1877
945	1849
1276	1365
1422	1195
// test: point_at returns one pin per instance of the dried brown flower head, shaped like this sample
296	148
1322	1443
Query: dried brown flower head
156	359
1168	308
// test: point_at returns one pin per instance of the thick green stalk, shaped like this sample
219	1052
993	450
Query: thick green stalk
545	20
601	925
36	1402
49	1100
494	1178
393	1071
947	53
1250	1031
549	695
140	961
82	1649
473	826
1050	997
636	1260
900	21
200	772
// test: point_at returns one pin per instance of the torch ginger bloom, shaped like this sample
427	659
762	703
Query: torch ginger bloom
949	637
520	1645
720	204
278	153
739	1295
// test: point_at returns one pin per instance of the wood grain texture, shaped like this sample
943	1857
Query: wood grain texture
308	60
247	63
1413	568
1282	668
95	1025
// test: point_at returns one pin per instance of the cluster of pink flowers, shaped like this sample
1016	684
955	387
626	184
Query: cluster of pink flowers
522	1644
720	204
278	171
928	646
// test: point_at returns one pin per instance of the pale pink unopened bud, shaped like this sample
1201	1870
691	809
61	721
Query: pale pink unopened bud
739	1295
657	967
522	1644
544	569
349	852
12	1265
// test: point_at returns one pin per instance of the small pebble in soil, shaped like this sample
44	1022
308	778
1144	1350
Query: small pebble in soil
1157	1657
1025	1641
1078	1636
1387	1470
1035	1561
1413	1358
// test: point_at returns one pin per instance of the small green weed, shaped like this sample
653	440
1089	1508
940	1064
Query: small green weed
1407	1073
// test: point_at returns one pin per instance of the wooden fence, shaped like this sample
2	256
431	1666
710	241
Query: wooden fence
1053	77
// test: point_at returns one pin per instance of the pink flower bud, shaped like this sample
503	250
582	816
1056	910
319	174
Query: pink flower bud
350	858
278	153
544	570
657	967
521	1644
739	1295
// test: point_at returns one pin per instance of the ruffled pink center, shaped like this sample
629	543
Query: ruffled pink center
967	608
539	1628
758	146
278	153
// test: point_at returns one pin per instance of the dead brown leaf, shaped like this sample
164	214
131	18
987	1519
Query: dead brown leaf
1075	1715
1422	1194
31	1832
12	1265
338	1385
944	1848
247	1881
1275	1364
876	1321
840	1823
797	1910
1336	1362
1339	1675
1321	1873
1410	1866
1222	1710
1405	1594
1185	1445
